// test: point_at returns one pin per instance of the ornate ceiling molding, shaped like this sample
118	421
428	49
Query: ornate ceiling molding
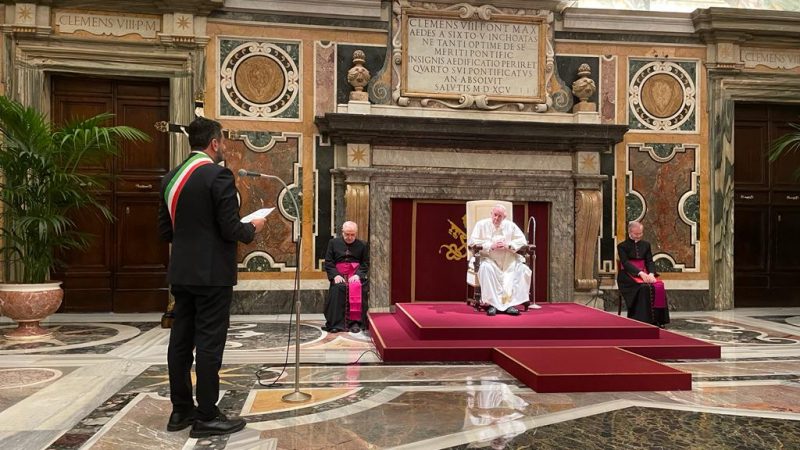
197	7
769	28
351	9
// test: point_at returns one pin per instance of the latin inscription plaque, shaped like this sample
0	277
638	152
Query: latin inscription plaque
447	56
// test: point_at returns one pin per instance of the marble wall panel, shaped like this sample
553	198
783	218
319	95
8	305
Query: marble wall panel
259	79
324	77
274	155
607	251
324	230
661	175
662	95
608	89
261	301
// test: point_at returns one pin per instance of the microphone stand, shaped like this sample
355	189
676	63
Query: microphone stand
295	396
532	221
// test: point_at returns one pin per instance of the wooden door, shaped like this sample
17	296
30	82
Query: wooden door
766	209
124	269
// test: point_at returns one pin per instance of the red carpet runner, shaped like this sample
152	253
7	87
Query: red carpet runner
563	347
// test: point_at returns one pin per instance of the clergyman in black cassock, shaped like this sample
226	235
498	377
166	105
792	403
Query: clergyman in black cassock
637	279
346	252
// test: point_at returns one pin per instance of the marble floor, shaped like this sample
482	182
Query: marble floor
101	383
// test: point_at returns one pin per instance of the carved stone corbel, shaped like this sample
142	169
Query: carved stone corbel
588	212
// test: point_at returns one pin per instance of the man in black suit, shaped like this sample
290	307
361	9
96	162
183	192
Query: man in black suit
199	215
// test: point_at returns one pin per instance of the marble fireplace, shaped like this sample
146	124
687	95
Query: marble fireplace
383	153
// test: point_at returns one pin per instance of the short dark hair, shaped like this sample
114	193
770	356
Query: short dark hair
202	131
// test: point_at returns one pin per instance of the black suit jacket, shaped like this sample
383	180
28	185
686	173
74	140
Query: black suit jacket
207	228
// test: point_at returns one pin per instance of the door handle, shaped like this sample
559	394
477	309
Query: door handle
747	197
793	197
144	186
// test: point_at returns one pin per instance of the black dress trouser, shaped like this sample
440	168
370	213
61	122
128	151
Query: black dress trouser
202	316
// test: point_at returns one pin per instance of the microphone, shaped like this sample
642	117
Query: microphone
247	173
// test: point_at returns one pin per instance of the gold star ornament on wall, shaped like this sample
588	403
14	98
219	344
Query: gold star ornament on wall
358	155
183	22
25	14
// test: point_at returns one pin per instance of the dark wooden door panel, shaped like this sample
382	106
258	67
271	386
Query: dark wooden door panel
70	109
751	253
138	218
124	269
750	168
786	223
766	209
139	157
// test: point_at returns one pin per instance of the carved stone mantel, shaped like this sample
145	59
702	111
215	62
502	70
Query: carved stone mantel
415	131
439	158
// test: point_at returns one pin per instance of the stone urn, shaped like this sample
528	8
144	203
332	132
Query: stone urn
27	304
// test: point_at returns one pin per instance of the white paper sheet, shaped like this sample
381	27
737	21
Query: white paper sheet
261	213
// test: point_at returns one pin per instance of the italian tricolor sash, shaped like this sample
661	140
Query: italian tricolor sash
175	186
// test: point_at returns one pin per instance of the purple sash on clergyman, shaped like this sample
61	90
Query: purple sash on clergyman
660	298
347	270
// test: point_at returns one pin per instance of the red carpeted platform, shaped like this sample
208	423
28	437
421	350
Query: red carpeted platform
554	321
589	369
456	332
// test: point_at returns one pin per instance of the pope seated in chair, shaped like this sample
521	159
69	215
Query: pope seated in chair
644	294
504	278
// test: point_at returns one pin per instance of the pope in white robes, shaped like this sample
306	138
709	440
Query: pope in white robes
504	278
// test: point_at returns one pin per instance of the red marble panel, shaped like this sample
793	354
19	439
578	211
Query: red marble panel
608	89
276	239
662	184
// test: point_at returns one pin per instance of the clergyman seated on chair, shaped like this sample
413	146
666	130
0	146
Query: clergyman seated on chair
504	278
643	293
347	264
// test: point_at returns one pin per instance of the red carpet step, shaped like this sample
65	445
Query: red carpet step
563	347
396	344
589	369
457	321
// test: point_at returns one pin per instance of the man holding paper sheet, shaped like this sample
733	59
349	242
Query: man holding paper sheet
347	264
199	215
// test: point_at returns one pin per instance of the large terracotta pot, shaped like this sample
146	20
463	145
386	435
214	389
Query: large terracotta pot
27	304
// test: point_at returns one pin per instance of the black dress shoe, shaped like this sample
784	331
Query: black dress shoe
511	311
180	420
490	311
216	426
354	328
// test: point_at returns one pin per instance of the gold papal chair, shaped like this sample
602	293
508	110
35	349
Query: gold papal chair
477	210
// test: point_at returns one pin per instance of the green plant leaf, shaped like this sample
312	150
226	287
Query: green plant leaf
42	187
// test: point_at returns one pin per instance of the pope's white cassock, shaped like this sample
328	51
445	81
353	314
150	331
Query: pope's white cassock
504	278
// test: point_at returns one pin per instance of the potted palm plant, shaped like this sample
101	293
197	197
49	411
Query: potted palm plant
789	142
41	187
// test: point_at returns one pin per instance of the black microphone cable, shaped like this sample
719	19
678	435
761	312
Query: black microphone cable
263	369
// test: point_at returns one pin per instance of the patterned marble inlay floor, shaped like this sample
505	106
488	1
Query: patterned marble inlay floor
101	383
